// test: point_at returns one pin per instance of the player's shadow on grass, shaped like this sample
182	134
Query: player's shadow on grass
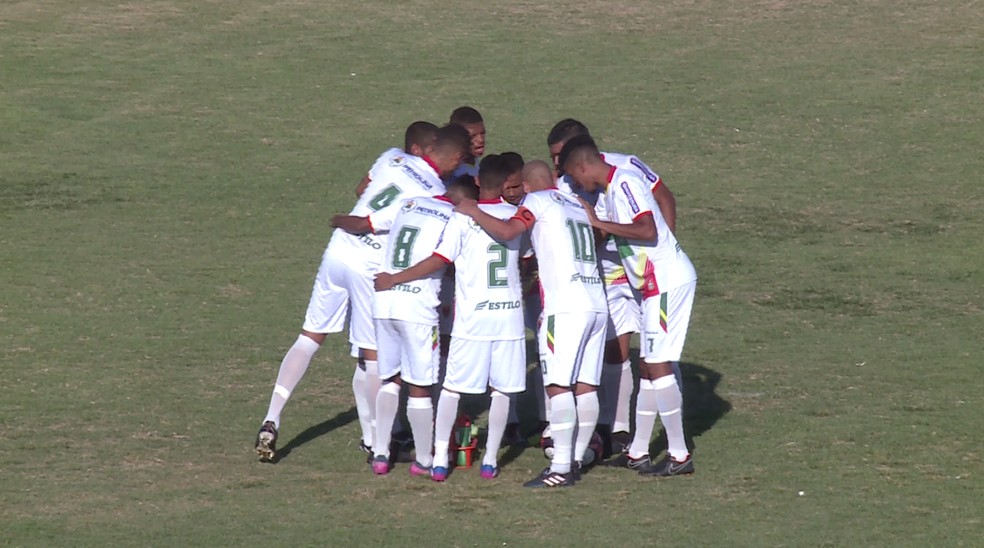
316	431
702	407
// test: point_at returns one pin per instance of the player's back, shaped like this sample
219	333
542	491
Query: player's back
401	178
488	291
413	236
564	244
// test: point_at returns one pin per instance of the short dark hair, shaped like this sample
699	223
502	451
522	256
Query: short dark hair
564	130
515	161
465	115
464	184
454	137
493	171
419	133
577	148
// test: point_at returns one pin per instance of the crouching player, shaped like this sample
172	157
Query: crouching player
406	326
488	345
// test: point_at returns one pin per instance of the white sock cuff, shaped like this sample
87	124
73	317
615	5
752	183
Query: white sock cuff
306	345
646	384
555	427
281	391
391	388
664	382
450	394
419	403
627	364
372	367
587	396
497	394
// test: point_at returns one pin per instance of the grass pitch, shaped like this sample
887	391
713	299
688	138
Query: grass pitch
168	168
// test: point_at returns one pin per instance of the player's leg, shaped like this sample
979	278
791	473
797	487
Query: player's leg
389	357
663	343
586	389
419	371
326	313
467	372
615	393
366	382
558	339
507	378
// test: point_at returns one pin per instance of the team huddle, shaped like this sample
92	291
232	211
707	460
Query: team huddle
440	242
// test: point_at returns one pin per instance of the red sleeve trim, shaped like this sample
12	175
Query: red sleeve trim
442	257
369	220
659	181
639	216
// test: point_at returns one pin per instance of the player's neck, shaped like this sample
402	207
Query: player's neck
488	197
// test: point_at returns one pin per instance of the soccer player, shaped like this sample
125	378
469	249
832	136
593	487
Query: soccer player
488	346
659	269
406	324
571	336
470	119
343	285
417	140
624	303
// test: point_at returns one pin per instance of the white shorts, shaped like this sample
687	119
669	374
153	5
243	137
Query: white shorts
473	366
572	347
624	310
342	293
408	349
666	317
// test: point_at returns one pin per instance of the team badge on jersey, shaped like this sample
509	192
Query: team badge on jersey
409	205
397	161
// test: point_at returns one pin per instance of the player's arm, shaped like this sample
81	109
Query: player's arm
420	270
666	202
352	224
503	231
642	227
362	186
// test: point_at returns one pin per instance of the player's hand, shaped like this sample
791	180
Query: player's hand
589	209
383	281
467	206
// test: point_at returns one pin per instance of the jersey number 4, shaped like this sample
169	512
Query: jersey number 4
384	197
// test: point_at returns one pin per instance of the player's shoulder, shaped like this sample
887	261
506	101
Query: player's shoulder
497	208
631	162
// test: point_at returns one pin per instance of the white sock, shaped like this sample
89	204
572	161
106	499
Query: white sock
611	376
387	405
447	413
292	368
563	417
587	418
624	401
362	405
669	399
645	419
371	387
420	414
498	415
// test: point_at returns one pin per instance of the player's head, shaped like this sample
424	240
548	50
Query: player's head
562	132
461	187
493	172
419	138
582	162
471	120
512	188
450	148
537	175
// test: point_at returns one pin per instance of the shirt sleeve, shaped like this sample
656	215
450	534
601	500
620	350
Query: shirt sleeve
651	176
629	198
449	244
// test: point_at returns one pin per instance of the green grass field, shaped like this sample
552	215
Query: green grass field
168	169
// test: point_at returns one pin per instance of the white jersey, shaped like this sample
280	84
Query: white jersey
402	177
611	263
563	241
652	267
488	292
414	234
385	159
